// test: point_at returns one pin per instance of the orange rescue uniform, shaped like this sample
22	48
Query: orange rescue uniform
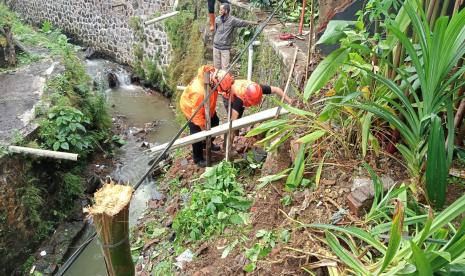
193	96
239	89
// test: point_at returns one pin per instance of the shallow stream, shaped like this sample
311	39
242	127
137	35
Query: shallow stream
139	110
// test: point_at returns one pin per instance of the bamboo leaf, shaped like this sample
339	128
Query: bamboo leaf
312	137
325	71
294	110
266	126
334	31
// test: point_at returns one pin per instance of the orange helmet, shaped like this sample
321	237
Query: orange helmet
253	94
227	81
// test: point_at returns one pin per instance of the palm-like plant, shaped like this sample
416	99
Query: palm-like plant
423	96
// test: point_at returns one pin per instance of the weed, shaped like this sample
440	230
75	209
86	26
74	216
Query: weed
163	268
46	26
18	138
286	200
267	240
32	199
217	203
65	129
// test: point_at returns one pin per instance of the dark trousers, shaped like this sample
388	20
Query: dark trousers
211	5
197	148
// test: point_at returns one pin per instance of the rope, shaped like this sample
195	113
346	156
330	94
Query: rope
73	257
113	245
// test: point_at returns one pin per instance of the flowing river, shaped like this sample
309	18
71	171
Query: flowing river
138	108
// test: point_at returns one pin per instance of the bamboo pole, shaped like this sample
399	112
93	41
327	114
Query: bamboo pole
220	130
302	17
208	142
310	38
110	214
44	153
286	88
160	18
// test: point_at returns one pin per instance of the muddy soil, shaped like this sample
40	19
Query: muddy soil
305	248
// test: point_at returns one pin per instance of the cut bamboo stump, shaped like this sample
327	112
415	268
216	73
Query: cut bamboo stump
110	214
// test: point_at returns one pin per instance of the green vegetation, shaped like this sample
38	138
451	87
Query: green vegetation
434	242
398	88
215	204
147	69
188	47
76	121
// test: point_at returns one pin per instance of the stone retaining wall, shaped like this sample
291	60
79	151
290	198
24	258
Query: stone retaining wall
103	24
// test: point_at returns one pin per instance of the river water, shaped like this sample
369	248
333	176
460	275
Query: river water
138	108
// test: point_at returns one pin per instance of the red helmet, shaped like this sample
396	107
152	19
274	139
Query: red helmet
227	81
253	95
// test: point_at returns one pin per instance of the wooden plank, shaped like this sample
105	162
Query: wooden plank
221	129
165	16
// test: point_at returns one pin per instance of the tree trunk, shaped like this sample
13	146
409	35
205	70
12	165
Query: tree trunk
111	218
10	44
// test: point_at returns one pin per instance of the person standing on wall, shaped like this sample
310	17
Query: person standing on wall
211	12
192	98
225	24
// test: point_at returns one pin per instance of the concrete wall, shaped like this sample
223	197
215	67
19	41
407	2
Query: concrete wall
103	24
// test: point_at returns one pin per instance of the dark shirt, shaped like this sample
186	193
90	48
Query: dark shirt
224	31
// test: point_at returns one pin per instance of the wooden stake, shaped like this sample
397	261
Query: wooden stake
288	81
11	53
207	118
229	136
110	214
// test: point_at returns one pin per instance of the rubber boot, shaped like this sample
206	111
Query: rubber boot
212	21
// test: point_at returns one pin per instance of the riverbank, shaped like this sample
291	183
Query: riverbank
67	115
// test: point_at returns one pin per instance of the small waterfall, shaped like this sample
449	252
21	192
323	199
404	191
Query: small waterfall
122	76
107	74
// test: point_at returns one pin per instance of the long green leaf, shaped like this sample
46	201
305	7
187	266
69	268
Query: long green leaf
295	177
344	255
266	126
325	71
353	231
436	165
366	124
421	262
395	236
312	137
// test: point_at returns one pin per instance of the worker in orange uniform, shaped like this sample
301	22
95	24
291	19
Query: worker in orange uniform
193	96
248	93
